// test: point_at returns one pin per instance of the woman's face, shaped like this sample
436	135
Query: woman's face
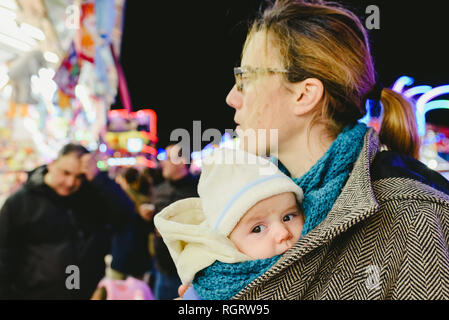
264	102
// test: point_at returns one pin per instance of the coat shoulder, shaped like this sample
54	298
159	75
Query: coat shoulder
16	199
398	176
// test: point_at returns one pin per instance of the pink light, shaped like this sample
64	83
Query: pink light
150	150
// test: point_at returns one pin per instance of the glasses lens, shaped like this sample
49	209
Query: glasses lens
238	78
238	81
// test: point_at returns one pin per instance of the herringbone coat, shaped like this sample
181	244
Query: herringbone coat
386	237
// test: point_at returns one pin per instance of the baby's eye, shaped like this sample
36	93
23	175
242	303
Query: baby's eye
289	217
258	229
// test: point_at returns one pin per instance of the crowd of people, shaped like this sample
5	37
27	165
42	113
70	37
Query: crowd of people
69	213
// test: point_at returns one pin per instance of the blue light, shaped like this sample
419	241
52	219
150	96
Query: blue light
196	155
207	150
161	154
226	137
226	141
437	104
410	93
372	111
401	83
103	147
422	106
122	161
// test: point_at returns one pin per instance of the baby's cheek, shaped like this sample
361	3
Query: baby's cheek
300	224
247	248
296	230
250	248
263	250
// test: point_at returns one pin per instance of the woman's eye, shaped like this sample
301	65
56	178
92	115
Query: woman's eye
258	229
288	217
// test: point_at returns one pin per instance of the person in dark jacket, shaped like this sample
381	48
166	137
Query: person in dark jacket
179	184
138	189
56	229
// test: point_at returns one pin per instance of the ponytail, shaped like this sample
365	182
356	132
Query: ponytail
398	130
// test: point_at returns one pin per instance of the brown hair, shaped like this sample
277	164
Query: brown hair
322	40
72	148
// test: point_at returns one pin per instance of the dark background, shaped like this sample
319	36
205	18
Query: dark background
178	55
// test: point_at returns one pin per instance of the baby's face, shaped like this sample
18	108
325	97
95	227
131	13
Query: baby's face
269	228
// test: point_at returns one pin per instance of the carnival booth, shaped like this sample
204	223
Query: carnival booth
58	78
130	140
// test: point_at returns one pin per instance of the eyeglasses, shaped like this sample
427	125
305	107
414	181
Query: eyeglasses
240	71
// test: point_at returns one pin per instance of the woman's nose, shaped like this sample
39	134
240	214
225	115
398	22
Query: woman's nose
234	98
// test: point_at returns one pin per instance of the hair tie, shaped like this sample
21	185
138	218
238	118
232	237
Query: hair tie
376	92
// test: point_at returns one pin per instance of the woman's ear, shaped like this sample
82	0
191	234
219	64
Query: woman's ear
307	94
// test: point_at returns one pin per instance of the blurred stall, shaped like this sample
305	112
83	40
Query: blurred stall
58	79
130	140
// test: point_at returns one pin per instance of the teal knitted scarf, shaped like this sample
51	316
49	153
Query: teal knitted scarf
321	185
222	281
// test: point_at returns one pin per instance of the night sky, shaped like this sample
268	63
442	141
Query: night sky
178	56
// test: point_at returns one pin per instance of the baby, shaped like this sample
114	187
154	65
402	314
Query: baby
247	210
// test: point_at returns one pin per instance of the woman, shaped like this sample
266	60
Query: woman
377	220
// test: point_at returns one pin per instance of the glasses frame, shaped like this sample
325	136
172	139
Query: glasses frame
239	71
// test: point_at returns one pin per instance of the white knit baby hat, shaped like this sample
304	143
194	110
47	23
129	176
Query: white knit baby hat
232	181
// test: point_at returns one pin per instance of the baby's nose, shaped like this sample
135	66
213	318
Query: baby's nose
283	234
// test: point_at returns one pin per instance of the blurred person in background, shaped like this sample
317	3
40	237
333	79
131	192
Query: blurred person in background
154	175
139	189
63	218
179	184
